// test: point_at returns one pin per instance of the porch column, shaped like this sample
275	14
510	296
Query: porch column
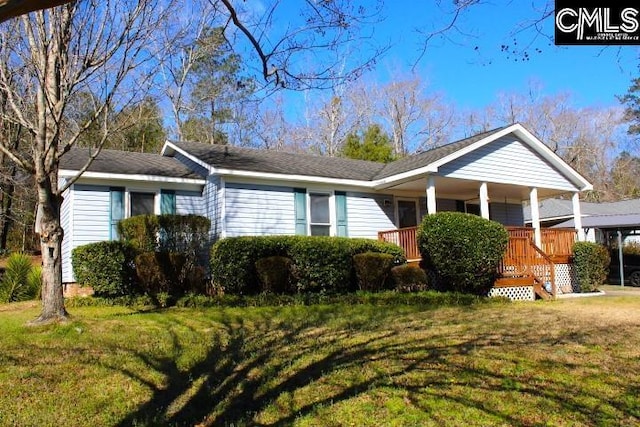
484	201
431	195
535	216
577	216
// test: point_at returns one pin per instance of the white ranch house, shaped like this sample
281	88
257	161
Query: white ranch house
258	192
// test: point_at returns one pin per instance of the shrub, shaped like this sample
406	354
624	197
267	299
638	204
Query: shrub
409	278
319	264
372	269
168	272
187	234
21	280
274	273
631	248
108	267
463	249
591	262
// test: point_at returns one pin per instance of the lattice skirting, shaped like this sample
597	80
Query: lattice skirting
566	280
514	293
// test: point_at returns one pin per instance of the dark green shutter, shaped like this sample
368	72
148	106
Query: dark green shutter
167	202
300	203
116	210
341	214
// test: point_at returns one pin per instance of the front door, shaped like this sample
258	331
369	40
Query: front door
407	213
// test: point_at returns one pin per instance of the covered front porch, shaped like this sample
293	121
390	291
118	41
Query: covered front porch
526	269
492	175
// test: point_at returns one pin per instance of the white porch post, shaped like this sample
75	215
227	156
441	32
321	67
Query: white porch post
577	216
431	195
484	200
535	216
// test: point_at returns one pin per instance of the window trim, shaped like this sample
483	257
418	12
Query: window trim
127	198
332	209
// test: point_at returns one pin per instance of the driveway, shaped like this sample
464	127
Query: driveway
621	291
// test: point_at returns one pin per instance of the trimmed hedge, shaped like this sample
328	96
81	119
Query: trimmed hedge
409	278
274	274
591	262
187	234
108	267
372	270
319	264
463	249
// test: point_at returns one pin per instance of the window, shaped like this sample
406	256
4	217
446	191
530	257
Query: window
142	203
320	214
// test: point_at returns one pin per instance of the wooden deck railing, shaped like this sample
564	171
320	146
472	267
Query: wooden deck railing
522	257
557	243
406	238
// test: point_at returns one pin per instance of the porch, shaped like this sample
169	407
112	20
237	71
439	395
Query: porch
526	269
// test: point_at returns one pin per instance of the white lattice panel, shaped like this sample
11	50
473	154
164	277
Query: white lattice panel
514	293
566	280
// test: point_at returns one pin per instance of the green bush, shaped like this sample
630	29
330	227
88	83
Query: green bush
409	278
187	234
631	248
274	273
591	262
21	280
463	249
108	267
319	264
372	270
168	272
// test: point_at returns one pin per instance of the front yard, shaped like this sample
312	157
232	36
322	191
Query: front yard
570	362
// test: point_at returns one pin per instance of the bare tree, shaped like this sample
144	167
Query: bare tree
588	138
12	8
47	58
415	118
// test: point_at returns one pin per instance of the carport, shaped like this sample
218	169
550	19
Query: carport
614	228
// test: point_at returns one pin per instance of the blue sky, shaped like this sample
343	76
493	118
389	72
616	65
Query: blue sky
470	68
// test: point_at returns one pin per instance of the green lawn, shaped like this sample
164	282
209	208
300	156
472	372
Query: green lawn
563	363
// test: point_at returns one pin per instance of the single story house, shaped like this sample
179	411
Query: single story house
247	191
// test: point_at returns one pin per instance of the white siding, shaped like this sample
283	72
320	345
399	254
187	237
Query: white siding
508	161
189	203
258	210
67	225
85	219
367	214
212	208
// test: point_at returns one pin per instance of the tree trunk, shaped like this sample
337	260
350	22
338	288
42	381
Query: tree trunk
51	235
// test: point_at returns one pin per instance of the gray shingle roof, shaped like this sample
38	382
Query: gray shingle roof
249	159
631	220
127	162
558	208
420	160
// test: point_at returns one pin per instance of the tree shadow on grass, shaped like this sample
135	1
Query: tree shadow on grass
252	363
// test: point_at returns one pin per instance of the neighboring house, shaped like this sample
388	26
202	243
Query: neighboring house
257	192
600	221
